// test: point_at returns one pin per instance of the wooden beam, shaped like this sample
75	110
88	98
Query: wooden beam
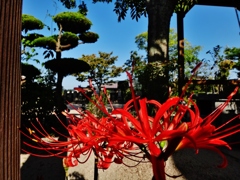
224	3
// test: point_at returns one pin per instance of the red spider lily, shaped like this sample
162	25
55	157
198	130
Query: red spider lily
132	131
207	136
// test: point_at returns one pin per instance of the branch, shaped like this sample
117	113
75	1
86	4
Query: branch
65	46
58	45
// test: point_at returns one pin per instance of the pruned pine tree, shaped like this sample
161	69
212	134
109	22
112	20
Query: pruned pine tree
73	29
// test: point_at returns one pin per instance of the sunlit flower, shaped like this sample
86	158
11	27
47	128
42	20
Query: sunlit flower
142	129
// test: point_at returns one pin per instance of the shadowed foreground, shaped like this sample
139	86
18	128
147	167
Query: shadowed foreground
35	168
185	162
204	164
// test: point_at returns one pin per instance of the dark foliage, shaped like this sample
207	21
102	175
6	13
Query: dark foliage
30	71
69	3
137	8
67	66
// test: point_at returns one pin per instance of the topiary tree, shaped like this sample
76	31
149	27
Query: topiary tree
73	30
37	95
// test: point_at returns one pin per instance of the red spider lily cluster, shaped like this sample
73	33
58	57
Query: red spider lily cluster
133	132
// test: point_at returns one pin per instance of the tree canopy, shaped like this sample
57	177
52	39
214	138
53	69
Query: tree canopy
67	66
190	51
74	22
73	27
234	55
102	70
31	23
141	67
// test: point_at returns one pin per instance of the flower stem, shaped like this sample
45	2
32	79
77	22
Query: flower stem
158	167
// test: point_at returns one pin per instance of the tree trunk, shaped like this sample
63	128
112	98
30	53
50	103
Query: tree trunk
10	88
59	88
157	78
180	33
59	85
159	17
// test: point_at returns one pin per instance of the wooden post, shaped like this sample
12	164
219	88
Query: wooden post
10	88
180	33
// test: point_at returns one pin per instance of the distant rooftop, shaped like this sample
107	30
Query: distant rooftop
111	86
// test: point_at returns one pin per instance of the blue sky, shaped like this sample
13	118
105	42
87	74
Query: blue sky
204	25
